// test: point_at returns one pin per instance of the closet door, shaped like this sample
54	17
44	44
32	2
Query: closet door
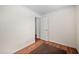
44	28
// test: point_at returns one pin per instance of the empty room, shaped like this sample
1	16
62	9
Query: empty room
39	29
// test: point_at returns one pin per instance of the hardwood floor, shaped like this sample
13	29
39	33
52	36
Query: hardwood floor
30	48
47	47
69	50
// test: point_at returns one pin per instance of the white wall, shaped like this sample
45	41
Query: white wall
17	28
77	27
62	26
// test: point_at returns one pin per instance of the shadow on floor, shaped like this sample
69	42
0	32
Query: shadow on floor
47	49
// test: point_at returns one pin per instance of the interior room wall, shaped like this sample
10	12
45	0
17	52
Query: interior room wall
17	28
62	26
77	27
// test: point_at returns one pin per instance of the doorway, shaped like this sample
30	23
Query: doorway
41	28
37	28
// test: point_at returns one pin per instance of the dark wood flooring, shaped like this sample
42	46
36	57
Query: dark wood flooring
47	47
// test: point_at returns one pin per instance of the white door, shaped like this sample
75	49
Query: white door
44	28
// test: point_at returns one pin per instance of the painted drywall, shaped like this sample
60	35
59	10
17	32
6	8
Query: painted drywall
77	27
17	28
62	26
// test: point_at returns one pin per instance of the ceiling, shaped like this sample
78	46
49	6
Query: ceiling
44	9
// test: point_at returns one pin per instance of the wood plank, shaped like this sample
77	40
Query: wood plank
69	50
39	42
30	48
